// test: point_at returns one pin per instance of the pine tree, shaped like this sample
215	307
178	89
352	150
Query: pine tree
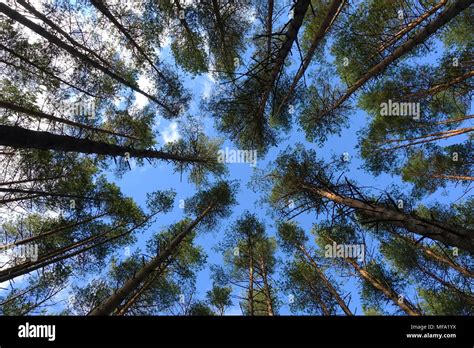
249	264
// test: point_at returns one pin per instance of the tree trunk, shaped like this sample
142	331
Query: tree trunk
109	305
454	236
331	15
21	138
183	22
266	288
251	280
16	16
317	297
428	138
326	282
405	305
409	27
269	26
51	232
24	181
429	253
53	25
105	11
439	87
39	114
43	70
291	35
125	308
221	29
59	254
453	177
469	299
420	37
46	194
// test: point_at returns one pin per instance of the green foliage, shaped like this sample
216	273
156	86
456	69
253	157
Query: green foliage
70	207
443	303
220	298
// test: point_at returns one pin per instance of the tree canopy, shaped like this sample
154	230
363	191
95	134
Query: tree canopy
259	158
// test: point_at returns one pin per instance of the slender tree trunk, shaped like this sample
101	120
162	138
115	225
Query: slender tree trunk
219	22
429	253
221	29
326	282
17	295
126	307
11	200
469	299
409	27
21	138
44	194
24	181
291	35
317	297
331	15
430	138
251	280
43	70
59	254
105	11
439	87
453	177
50	232
270	26
451	12
185	24
460	119
405	305
454	236
44	300
49	258
39	114
16	16
448	132
266	288
53	25
109	305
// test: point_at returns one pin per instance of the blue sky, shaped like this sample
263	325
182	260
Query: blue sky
141	180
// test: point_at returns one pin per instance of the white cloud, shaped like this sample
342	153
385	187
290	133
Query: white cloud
140	100
165	40
207	90
171	134
209	84
145	84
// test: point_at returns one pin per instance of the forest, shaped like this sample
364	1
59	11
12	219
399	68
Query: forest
236	157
